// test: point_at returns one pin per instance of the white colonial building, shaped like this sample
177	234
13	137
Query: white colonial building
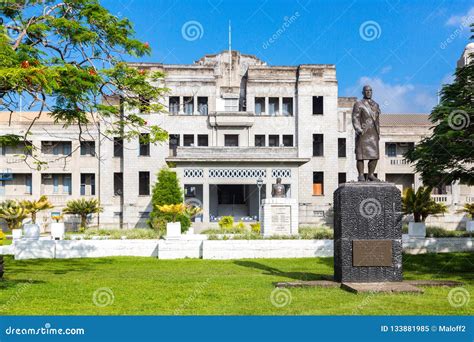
234	121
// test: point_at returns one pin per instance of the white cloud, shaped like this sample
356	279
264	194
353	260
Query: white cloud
464	20
396	98
386	69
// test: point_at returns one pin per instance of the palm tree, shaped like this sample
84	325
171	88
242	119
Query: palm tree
420	204
83	207
13	213
35	206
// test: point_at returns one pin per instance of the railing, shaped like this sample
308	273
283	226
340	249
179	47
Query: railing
399	161
446	199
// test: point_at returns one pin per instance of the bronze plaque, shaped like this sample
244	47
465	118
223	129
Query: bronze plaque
372	253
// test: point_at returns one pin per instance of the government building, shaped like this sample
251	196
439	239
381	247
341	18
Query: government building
235	125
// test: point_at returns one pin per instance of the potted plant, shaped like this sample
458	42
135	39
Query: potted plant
420	204
469	210
173	228
83	208
13	213
57	227
32	230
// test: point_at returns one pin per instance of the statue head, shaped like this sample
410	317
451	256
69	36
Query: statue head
278	180
367	92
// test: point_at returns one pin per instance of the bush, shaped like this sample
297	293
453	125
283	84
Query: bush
317	233
166	191
116	234
438	232
226	222
255	227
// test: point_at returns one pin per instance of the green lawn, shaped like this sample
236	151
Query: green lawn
191	286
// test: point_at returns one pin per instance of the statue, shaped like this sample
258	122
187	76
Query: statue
278	189
365	119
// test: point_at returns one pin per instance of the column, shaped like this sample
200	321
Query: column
195	106
205	202
280	106
181	105
266	106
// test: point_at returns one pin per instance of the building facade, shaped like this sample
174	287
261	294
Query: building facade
234	123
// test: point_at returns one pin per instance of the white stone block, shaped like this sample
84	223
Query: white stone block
173	230
279	217
34	249
179	249
66	249
417	229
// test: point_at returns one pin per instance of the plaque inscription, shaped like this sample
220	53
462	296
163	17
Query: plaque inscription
281	219
372	253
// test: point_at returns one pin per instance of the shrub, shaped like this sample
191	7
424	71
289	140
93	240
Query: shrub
317	233
420	204
167	191
226	222
116	234
468	209
83	207
255	227
13	213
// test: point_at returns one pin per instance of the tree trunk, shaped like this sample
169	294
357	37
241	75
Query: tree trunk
1	267
417	217
33	217
83	221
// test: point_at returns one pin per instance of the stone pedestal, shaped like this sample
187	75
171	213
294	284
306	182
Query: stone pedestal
279	216
367	233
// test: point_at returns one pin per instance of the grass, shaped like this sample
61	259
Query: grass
148	286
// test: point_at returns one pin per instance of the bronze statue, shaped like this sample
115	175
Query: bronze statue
365	119
278	189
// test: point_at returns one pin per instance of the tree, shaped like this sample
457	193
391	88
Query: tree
83	207
446	155
66	57
166	191
34	207
13	213
420	204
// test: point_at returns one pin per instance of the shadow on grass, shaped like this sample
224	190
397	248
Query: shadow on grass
267	270
440	266
6	283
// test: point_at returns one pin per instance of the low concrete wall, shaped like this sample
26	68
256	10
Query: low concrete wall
243	249
211	249
437	245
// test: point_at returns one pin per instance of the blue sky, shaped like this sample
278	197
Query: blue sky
405	49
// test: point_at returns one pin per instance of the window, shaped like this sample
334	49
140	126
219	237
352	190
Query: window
144	106
2	187
273	103
341	178
259	105
143	183
57	147
118	184
341	147
287	106
273	140
55	184
318	145
188	140
2	150
87	184
318	105
318	183
174	105
28	184
118	147
173	143
188	105
391	149
67	184
288	140
231	105
144	144
202	105
260	140
203	140
231	140
87	148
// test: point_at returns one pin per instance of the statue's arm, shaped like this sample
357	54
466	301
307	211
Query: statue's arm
356	119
